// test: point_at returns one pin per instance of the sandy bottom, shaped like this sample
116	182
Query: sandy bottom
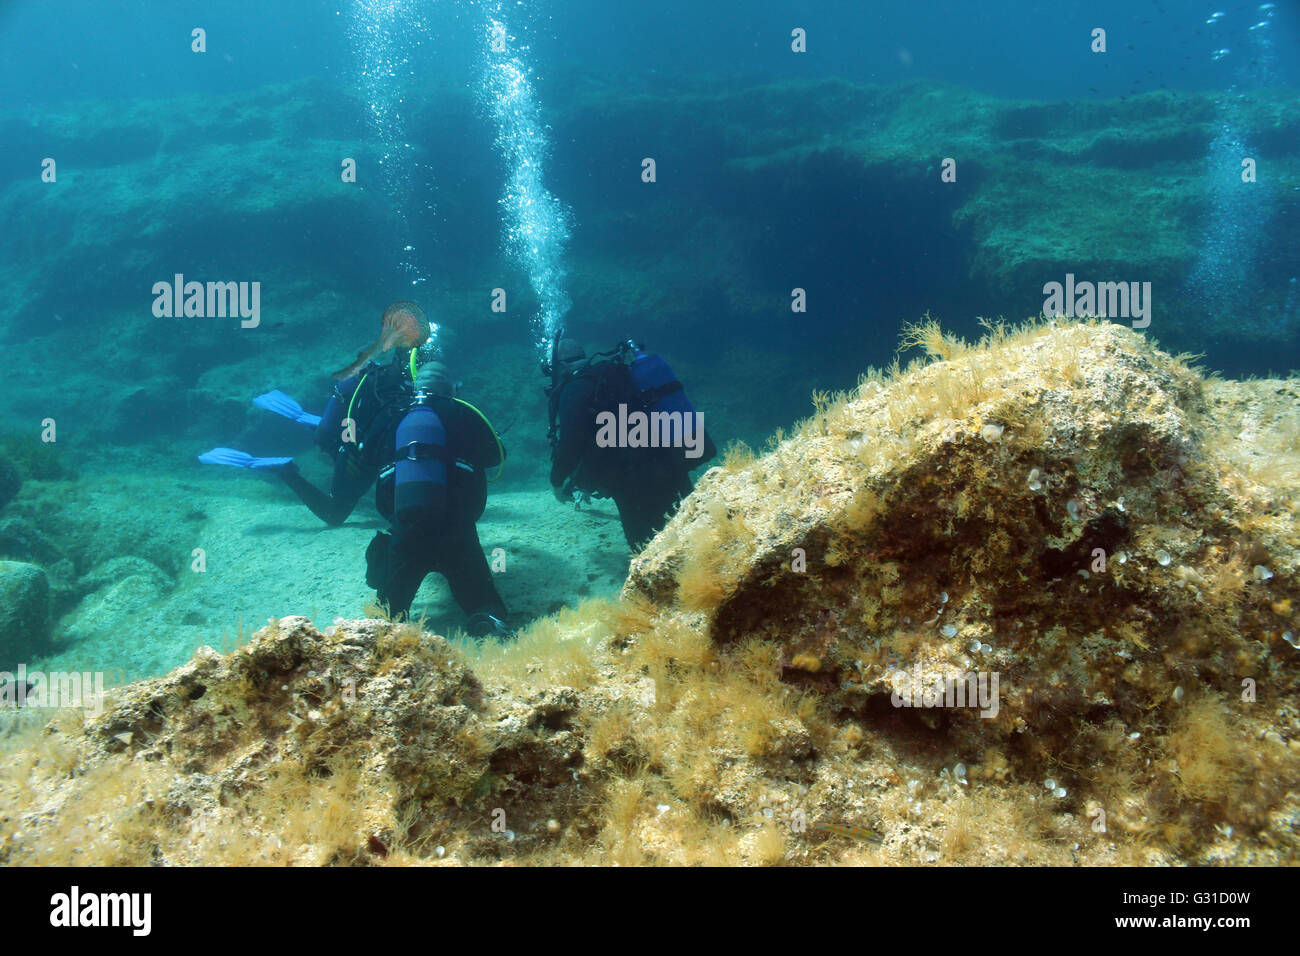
266	555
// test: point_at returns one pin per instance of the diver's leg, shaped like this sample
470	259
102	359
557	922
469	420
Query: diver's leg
647	499
350	481
462	563
637	514
406	571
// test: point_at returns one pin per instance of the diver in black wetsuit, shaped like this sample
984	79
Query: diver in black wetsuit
646	483
429	452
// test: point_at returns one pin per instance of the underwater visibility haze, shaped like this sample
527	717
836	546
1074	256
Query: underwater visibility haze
566	432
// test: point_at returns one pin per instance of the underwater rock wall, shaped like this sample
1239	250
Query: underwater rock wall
1065	507
1106	190
805	181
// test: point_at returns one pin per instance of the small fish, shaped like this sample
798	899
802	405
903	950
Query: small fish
850	830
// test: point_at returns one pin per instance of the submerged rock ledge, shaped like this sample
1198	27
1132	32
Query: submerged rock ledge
1065	506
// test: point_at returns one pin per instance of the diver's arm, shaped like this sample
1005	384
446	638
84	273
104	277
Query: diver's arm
573	440
350	482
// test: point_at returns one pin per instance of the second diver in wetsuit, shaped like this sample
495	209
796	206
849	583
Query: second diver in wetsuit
429	453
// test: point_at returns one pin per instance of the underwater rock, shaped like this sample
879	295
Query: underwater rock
24	612
113	607
343	743
895	499
118	569
892	553
21	541
771	686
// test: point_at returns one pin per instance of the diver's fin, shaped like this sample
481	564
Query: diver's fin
280	403
241	459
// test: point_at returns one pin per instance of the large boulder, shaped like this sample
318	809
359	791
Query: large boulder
1066	508
24	613
1063	500
344	745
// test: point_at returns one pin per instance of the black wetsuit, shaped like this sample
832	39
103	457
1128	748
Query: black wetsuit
645	483
437	538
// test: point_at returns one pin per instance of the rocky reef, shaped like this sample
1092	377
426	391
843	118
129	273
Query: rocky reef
1091	521
787	184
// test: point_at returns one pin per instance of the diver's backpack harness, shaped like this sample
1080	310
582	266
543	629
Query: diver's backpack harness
606	362
625	373
353	401
390	387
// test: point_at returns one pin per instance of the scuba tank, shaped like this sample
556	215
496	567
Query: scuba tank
420	480
657	386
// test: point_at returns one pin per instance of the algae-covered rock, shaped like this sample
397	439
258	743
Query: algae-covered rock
24	612
1067	510
340	744
1082	533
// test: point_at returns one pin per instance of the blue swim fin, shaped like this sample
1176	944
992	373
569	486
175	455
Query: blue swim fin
241	459
280	403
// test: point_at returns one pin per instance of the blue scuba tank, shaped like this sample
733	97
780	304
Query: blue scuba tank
420	481
657	386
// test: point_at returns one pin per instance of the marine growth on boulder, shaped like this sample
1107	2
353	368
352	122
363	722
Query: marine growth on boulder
1023	601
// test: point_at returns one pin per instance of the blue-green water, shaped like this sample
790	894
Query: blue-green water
502	156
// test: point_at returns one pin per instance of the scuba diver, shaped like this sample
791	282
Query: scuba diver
592	401
399	426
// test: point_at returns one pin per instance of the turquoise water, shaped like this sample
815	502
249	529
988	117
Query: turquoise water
755	192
